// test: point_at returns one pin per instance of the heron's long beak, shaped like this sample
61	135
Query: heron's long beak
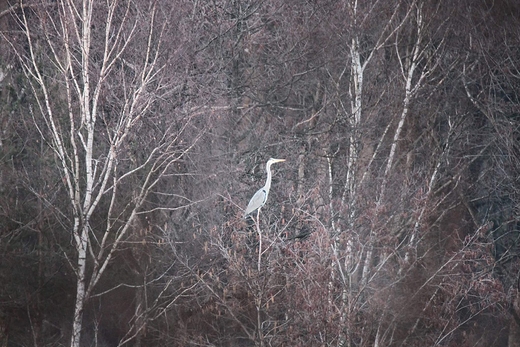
278	160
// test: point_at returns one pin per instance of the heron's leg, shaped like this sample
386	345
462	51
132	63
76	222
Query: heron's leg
259	240
258	300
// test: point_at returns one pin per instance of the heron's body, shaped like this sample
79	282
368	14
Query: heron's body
258	200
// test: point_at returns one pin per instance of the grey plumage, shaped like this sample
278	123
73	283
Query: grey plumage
258	200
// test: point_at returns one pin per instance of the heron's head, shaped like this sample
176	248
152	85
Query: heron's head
272	161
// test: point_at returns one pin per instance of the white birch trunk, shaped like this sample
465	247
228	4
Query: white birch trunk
410	89
77	322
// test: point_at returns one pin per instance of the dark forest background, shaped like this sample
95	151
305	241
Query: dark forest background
133	133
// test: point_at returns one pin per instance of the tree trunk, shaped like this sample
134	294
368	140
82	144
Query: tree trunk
81	246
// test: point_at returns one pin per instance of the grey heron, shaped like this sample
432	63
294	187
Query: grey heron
258	200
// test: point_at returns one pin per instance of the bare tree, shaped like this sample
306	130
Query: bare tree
98	71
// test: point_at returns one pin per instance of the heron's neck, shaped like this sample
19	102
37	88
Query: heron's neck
268	181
